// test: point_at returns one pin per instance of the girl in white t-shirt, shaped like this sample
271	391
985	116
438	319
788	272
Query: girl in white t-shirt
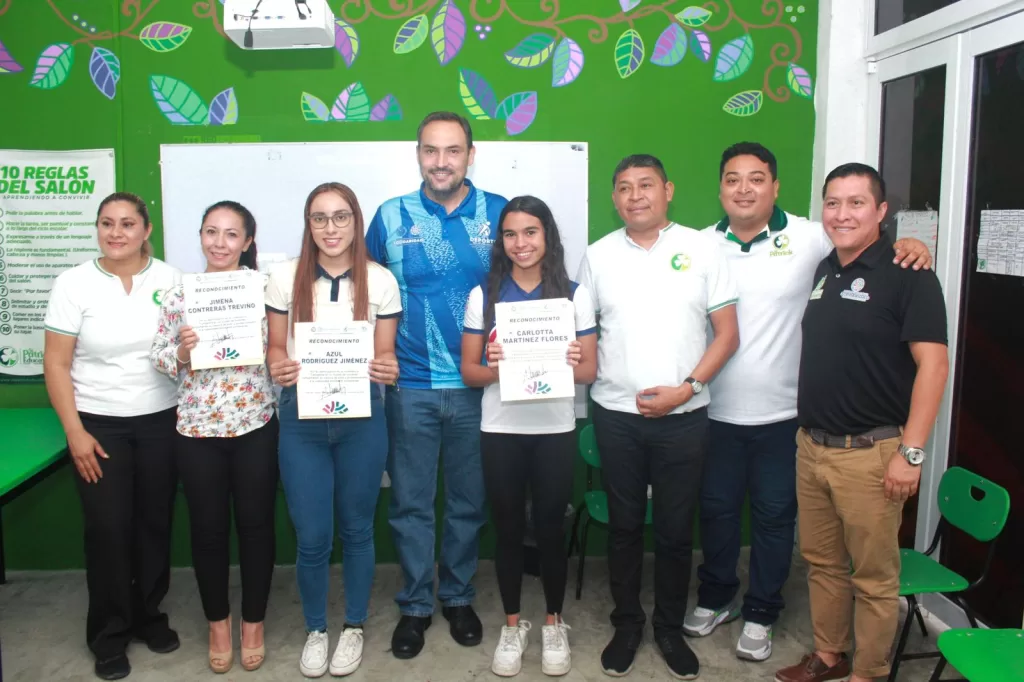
528	446
332	468
118	414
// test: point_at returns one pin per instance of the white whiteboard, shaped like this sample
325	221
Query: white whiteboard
273	180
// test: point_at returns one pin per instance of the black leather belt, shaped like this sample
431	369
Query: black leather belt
861	440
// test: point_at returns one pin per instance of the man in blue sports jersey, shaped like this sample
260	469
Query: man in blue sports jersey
437	241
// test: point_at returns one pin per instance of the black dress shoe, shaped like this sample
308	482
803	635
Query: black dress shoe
407	640
113	668
465	625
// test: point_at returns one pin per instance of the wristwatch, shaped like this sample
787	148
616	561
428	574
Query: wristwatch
695	384
914	456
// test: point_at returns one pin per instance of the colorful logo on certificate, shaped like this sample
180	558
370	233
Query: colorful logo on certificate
225	354
334	407
537	388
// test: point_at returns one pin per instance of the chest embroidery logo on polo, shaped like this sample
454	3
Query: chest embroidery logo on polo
483	234
680	262
856	292
818	290
158	296
410	235
781	243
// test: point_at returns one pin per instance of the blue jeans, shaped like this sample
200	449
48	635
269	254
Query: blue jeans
760	460
421	423
331	470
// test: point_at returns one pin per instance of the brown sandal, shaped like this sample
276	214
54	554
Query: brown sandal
221	661
252	659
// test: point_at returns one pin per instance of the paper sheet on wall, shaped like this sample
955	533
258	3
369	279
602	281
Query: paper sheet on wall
923	225
1001	243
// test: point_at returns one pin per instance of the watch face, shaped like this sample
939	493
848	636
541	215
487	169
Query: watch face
914	455
698	386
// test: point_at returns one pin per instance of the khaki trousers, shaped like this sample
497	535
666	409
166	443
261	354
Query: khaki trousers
844	517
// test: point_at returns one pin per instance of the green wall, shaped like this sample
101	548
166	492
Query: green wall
684	111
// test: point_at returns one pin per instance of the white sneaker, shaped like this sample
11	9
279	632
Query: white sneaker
701	622
508	656
555	659
314	655
349	653
755	643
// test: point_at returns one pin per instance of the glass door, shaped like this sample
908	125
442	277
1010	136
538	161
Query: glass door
988	384
913	118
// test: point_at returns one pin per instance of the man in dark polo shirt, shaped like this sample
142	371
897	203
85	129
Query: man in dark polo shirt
872	373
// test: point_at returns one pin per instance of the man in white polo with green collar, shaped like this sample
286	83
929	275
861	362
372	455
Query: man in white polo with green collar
772	257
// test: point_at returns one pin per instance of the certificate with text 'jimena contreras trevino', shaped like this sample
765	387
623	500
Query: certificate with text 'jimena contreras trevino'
534	338
226	311
334	380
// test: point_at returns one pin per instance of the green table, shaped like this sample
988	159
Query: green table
34	447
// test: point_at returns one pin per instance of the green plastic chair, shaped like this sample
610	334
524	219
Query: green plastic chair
982	655
594	504
972	504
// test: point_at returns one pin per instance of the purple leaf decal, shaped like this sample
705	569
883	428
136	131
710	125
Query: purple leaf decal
224	108
447	31
518	111
53	66
799	80
387	110
412	34
700	44
477	94
627	5
671	46
567	63
105	71
352	104
7	63
164	36
346	41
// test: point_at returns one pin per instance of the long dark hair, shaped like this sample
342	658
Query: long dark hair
247	259
305	272
554	280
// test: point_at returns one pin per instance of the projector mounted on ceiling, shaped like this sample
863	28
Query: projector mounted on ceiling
279	24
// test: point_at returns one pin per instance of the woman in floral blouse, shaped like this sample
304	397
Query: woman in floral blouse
226	450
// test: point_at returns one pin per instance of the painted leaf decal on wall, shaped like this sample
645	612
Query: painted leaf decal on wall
178	102
746	103
346	41
387	110
412	34
224	108
53	66
314	109
567	62
477	94
671	46
105	71
447	31
694	17
700	45
734	59
799	80
518	111
629	53
164	36
7	63
627	5
352	104
532	51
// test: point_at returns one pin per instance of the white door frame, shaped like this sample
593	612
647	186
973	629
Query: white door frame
958	53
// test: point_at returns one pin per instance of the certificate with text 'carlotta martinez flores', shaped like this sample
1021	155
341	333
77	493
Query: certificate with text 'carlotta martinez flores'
226	311
534	338
334	380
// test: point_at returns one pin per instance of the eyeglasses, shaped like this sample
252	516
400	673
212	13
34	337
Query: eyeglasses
341	219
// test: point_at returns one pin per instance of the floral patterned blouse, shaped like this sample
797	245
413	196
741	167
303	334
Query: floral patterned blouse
223	402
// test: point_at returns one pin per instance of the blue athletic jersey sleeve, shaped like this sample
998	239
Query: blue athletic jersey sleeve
437	259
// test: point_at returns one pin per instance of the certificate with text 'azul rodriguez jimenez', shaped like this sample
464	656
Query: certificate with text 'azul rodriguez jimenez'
226	311
534	338
334	381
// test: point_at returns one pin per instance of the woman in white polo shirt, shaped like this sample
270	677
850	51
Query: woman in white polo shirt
332	468
226	449
528	446
118	414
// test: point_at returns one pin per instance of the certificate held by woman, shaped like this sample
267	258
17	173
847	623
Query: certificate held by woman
226	311
334	381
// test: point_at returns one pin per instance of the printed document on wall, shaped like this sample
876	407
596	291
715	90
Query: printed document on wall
1001	243
923	225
